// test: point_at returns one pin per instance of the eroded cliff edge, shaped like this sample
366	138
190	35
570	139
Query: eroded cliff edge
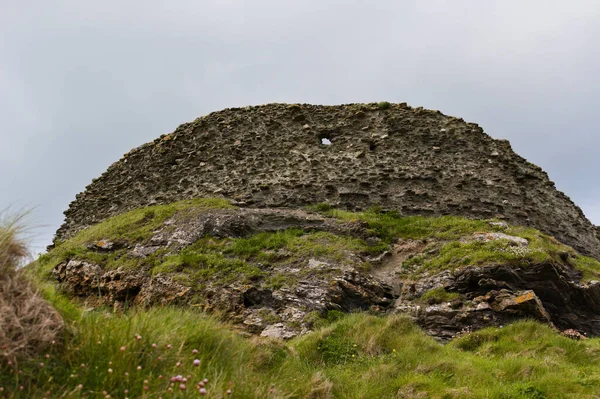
411	160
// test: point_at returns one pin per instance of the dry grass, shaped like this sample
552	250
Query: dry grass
28	324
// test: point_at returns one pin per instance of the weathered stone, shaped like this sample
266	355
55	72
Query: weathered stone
279	331
485	237
391	164
78	277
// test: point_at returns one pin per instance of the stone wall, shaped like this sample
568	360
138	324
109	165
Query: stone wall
413	160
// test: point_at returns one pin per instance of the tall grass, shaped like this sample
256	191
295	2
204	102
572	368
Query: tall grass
27	323
140	354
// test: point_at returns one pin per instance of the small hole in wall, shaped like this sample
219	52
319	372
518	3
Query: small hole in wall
325	141
372	146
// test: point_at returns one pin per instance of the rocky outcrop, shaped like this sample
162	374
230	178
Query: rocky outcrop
464	298
497	294
408	159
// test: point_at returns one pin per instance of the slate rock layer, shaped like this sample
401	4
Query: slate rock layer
412	160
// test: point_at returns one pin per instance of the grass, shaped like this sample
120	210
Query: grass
350	356
438	295
261	258
447	251
137	353
129	228
383	105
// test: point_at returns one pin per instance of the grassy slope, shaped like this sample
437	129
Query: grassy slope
249	258
357	356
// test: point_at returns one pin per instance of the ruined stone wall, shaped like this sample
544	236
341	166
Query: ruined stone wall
413	160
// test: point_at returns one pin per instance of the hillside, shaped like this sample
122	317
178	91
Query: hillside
411	160
291	276
299	251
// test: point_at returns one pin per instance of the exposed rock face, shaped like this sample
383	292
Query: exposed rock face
488	295
413	160
495	295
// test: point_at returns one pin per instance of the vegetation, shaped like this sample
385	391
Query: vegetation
438	295
178	353
141	354
448	249
383	105
28	324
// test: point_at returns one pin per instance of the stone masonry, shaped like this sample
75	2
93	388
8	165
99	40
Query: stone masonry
413	160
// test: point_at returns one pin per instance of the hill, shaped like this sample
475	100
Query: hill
299	251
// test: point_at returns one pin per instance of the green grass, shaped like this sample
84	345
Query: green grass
221	261
129	228
447	251
383	105
438	295
351	356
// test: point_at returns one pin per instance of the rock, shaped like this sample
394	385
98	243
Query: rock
278	331
140	251
502	225
573	334
104	245
78	277
497	294
500	236
207	156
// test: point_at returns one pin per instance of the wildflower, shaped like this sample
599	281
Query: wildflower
154	346
169	346
178	364
182	386
195	351
196	362
123	348
138	337
228	392
110	370
205	380
41	364
80	386
139	368
47	356
202	391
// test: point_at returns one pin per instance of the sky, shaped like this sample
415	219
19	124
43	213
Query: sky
83	82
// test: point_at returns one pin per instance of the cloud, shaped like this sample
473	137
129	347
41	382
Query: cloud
81	83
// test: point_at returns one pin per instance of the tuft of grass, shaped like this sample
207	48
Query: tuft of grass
356	355
452	252
28	324
383	105
128	229
438	295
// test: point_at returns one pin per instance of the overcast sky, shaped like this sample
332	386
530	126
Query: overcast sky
83	82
